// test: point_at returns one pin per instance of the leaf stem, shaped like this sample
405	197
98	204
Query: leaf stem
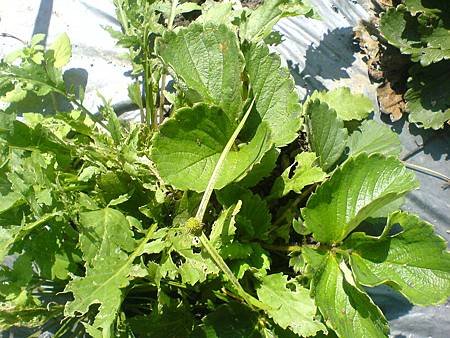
215	175
163	77
202	209
150	115
427	171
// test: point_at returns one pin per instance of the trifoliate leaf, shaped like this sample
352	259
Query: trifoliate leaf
353	193
290	304
62	50
260	22
305	173
229	320
275	93
326	133
413	261
188	146
346	308
208	60
103	233
427	97
348	106
373	137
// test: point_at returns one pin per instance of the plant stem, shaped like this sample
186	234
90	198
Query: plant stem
150	116
201	213
163	78
427	171
215	175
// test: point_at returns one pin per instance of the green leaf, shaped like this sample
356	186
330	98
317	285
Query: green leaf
188	146
373	137
101	285
109	273
179	259
305	173
229	320
348	106
413	261
9	236
62	50
254	217
326	132
277	101
207	59
354	192
262	169
223	232
427	98
290	303
260	22
346	308
216	12
103	232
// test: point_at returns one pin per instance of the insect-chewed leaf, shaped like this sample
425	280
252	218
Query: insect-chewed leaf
188	146
305	173
293	309
414	261
275	93
104	232
208	60
354	192
345	308
62	50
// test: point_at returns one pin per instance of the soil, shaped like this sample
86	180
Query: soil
251	3
386	65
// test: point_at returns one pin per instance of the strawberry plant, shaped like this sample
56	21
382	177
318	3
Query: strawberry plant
420	28
243	214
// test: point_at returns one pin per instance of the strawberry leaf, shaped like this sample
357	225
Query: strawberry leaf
413	261
354	192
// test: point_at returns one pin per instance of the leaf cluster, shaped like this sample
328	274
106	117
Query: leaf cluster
243	214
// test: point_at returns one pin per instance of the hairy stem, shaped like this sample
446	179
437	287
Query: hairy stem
215	175
201	213
150	115
163	78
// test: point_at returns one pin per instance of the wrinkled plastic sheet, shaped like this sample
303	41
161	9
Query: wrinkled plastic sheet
321	54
